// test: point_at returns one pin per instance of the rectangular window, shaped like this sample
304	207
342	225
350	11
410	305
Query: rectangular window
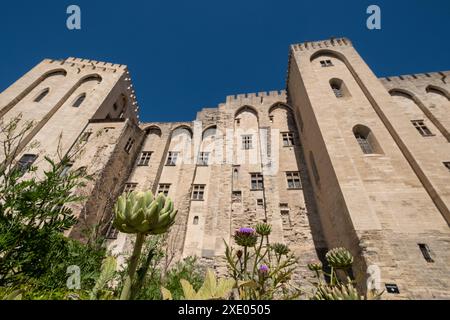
145	158
260	203
129	145
326	63
203	158
129	187
257	181
25	162
198	192
293	180
288	139
172	159
422	128
247	142
164	189
447	165
426	252
111	232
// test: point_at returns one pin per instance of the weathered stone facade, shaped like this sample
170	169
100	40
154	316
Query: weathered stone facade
341	158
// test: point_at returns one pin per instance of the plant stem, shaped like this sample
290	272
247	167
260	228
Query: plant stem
132	266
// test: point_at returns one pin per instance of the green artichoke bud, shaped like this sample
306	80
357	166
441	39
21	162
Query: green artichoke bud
141	212
263	229
280	249
339	258
315	266
338	292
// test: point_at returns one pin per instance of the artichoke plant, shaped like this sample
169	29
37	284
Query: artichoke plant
141	213
339	258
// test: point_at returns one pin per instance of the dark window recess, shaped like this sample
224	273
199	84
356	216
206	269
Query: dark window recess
172	159
257	181
145	158
270	118
422	128
326	63
260	202
288	139
236	196
426	252
42	95
247	142
447	165
337	89
198	192
79	101
195	222
203	159
129	187
364	143
129	145
293	180
392	288
25	163
164	189
111	232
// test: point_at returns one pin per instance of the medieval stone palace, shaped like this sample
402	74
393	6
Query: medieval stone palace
340	158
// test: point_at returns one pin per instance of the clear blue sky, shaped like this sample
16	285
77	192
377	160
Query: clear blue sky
185	55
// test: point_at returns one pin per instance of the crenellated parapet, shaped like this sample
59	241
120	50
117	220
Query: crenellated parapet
324	44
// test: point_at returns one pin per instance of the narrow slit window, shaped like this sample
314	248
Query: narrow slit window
129	145
79	101
426	252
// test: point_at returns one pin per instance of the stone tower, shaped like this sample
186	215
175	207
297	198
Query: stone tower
341	158
377	152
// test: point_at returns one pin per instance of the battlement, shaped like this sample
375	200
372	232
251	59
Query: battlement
253	98
430	76
329	43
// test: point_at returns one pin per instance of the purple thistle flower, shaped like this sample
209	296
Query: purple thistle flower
264	269
246	230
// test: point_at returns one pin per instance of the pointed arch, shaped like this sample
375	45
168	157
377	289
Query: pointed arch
29	89
185	127
79	100
246	108
280	105
438	90
366	139
209	131
411	96
153	129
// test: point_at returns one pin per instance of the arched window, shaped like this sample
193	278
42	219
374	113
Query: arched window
79	100
339	88
42	95
366	140
195	220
